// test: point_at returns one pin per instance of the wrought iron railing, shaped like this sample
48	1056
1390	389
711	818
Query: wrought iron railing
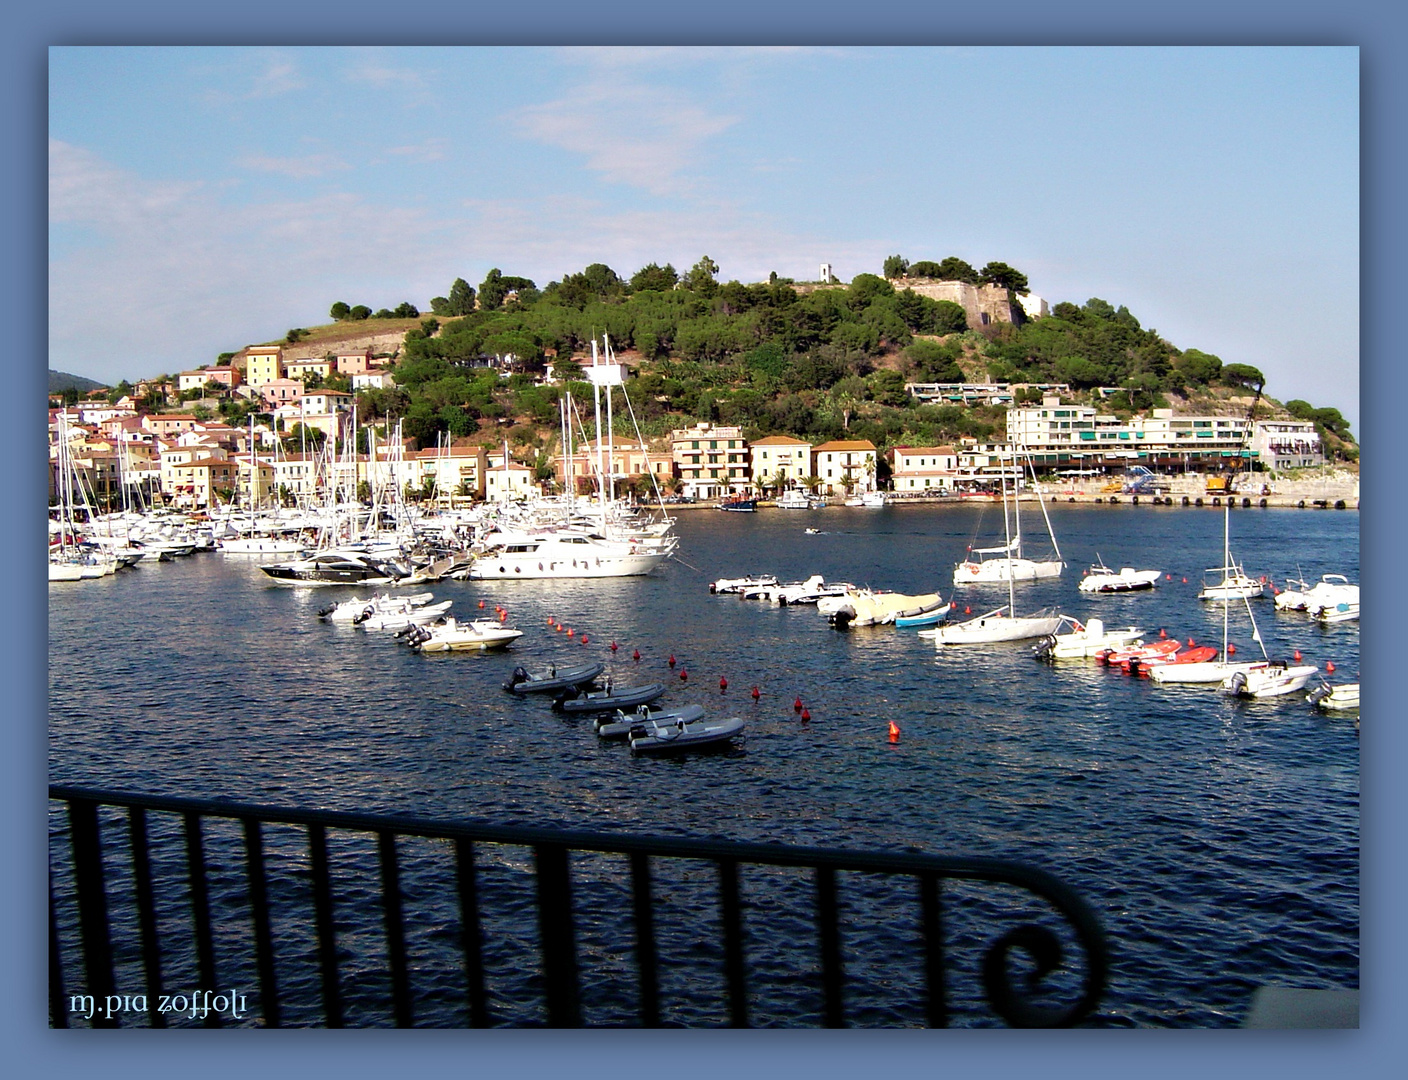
84	887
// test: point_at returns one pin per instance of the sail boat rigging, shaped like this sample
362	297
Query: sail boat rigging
995	565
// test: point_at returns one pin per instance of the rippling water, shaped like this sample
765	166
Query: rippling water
1217	840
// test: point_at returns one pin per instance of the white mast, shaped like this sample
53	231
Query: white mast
1011	593
610	427
600	472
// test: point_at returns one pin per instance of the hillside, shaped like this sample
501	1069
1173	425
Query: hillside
59	381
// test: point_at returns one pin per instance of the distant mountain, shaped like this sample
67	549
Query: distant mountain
62	380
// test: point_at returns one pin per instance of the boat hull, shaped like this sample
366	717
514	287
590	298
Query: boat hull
1000	571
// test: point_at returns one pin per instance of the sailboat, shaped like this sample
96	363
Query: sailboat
995	565
1001	624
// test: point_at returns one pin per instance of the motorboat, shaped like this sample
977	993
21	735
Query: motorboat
1122	657
451	635
1271	678
1207	672
260	545
348	610
1085	640
1330	590
1101	579
619	724
551	678
739	506
1342	698
875	499
683	735
403	618
566	553
735	585
334	567
1344	611
609	699
812	591
1198	654
930	617
879	609
796	499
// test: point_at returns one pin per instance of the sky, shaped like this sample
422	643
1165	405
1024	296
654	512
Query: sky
203	199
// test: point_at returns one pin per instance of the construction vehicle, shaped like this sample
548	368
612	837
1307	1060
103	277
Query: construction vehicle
1140	480
1226	483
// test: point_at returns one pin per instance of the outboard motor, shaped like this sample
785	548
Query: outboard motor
323	613
362	616
1238	683
841	617
1044	649
1319	694
519	675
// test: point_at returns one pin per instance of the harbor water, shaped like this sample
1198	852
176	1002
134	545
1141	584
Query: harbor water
1216	839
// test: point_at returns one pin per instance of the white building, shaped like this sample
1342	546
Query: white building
1055	434
1288	444
916	469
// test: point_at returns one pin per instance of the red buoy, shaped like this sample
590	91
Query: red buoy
806	714
1330	667
967	611
584	639
613	646
797	705
1162	632
559	627
894	732
481	604
1296	654
684	674
1190	643
756	695
672	660
1185	581
1231	650
723	684
570	631
635	655
1168	577
503	616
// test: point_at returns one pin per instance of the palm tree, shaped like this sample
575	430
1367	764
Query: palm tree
811	483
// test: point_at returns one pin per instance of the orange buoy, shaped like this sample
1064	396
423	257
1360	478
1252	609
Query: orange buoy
806	714
481	604
684	674
1330	667
503	616
1185	581
894	732
967	611
672	660
1168	577
756	695
1296	654
584	639
952	606
1263	579
1190	643
559	627
797	705
570	631
1162	632
635	655
1231	650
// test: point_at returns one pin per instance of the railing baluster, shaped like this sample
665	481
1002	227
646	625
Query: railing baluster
58	1006
92	902
146	913
557	936
395	930
259	913
646	960
200	911
829	934
473	937
327	929
932	921
732	914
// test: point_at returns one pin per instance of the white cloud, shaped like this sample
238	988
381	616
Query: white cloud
426	151
642	135
275	75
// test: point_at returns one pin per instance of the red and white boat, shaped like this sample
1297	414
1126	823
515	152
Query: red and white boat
1121	657
1199	654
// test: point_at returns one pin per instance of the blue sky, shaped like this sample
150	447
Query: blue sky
202	199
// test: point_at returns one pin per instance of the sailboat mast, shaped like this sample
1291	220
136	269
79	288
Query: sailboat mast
1011	591
600	471
610	426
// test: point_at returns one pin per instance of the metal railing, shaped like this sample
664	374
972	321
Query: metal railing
95	880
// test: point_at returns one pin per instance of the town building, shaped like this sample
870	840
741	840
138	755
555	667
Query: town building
917	469
354	362
780	461
373	380
845	465
304	369
263	363
978	393
1288	444
620	460
1053	434
712	461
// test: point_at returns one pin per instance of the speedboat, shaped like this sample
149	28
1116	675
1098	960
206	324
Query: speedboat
401	618
619	724
567	553
734	585
453	636
1340	698
333	567
683	735
1271	678
1198	654
1344	611
795	499
878	609
811	591
1085	641
551	678
1330	590
348	610
609	699
1101	579
745	506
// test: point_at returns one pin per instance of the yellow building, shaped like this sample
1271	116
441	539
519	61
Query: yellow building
845	465
263	363
780	461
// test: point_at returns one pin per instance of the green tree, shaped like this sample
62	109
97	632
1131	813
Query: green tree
461	300
701	279
340	311
1004	277
895	266
1242	375
406	310
656	278
360	312
955	269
